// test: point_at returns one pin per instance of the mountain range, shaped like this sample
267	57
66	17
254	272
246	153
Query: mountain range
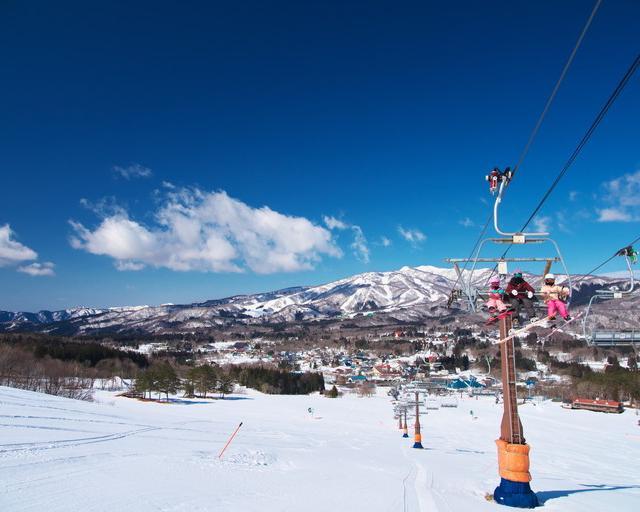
410	294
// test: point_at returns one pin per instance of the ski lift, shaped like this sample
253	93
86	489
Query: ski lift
469	287
619	336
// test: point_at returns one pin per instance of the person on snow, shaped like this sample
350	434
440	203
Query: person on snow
521	295
554	297
495	302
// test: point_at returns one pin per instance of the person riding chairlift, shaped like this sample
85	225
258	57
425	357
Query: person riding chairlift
630	253
495	303
554	297
496	176
521	295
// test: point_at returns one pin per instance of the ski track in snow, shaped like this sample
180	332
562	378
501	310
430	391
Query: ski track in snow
143	456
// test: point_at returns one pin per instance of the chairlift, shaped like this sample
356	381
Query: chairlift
612	337
469	289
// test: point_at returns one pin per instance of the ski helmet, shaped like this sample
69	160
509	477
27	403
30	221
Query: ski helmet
550	276
517	273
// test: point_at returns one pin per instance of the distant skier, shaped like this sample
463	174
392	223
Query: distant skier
554	297
495	303
521	295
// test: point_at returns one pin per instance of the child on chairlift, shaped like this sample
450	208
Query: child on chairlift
495	303
555	298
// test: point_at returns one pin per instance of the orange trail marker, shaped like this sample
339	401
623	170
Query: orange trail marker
229	441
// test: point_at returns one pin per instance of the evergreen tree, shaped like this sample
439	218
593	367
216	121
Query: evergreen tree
166	379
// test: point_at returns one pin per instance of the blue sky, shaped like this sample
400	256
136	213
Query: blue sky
159	152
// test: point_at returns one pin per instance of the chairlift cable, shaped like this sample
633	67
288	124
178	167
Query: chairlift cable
535	130
583	277
621	85
585	138
556	88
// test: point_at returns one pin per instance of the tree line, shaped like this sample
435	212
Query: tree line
206	380
57	366
278	381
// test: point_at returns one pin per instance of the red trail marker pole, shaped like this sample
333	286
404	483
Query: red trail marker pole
229	441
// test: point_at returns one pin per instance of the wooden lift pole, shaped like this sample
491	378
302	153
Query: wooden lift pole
513	453
511	426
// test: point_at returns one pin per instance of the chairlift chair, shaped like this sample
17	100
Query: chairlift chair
612	337
469	290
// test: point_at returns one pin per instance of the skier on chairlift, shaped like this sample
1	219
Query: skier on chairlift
630	253
496	176
521	296
554	297
495	303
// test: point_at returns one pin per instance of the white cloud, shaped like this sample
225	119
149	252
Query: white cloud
385	242
208	231
623	198
359	245
573	195
38	269
466	222
15	253
614	215
413	236
542	223
132	171
333	223
12	252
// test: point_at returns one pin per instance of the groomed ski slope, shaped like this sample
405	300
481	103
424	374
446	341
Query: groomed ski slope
120	455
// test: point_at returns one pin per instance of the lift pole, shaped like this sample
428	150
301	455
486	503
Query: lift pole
513	453
511	426
405	430
418	437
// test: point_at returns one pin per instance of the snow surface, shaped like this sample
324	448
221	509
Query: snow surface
120	454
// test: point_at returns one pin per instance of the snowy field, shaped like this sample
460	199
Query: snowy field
124	455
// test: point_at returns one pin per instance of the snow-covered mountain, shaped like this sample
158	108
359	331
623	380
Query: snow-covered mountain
408	294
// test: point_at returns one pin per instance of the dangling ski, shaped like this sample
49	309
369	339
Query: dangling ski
555	327
544	322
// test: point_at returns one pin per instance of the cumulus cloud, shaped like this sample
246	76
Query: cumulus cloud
132	171
12	251
384	241
414	236
38	269
622	197
208	231
359	245
466	222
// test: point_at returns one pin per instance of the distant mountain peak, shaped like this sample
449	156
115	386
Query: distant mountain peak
409	294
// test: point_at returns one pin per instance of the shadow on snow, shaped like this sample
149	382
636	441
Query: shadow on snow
544	496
